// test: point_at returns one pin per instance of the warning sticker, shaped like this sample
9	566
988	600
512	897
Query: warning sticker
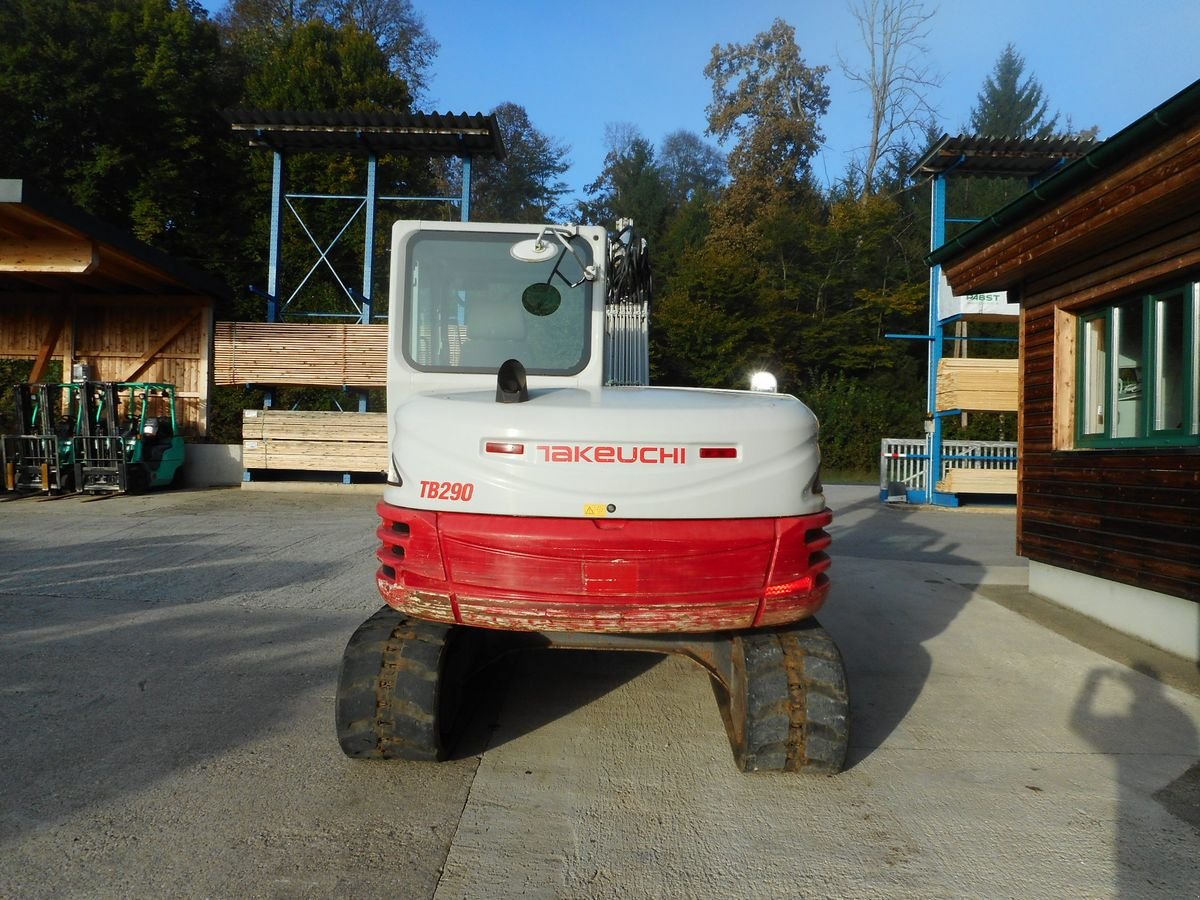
595	510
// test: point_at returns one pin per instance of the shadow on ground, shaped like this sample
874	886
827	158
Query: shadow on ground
900	579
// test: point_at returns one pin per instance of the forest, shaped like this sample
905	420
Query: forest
116	104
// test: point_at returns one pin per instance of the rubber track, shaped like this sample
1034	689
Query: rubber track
797	702
388	691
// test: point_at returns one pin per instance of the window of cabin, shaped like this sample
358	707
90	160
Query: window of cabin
1139	371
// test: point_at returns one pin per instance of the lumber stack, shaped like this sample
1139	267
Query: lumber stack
977	385
314	441
979	481
286	353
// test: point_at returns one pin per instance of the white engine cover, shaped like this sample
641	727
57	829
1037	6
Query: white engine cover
627	453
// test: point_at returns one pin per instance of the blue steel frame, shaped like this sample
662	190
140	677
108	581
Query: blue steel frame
368	203
362	301
937	341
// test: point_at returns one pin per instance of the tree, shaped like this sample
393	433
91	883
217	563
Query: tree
690	167
111	105
1010	107
525	186
321	67
768	100
630	187
896	78
396	28
268	16
400	32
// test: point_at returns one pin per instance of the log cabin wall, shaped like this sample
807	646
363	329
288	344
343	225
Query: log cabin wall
1129	515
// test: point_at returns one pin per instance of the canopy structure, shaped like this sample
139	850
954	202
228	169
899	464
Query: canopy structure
371	133
991	157
950	158
415	134
76	289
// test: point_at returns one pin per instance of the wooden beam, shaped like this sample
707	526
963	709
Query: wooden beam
204	376
144	362
1065	386
48	254
46	351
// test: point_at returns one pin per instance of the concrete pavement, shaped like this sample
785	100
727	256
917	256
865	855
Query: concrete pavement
167	666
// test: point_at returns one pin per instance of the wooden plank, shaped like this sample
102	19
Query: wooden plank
314	425
48	254
1172	557
314	440
1088	218
1126	513
979	481
1103	563
316	355
320	456
1063	376
156	347
977	384
1134	252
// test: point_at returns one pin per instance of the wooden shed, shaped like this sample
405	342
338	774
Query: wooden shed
76	289
1104	258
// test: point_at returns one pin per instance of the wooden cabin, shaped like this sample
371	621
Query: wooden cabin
75	289
1104	259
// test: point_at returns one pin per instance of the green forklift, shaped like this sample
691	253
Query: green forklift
130	441
39	458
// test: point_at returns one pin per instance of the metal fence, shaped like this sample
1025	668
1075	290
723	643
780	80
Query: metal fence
905	462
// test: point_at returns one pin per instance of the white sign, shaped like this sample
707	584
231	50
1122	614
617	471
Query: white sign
995	304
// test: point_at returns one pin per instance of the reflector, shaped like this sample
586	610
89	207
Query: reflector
792	587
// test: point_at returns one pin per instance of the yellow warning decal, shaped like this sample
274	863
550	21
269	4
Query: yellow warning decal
595	510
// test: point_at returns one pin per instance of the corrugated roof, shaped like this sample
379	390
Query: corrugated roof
419	134
1000	156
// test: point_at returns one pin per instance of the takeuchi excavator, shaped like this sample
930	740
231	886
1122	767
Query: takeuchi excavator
542	494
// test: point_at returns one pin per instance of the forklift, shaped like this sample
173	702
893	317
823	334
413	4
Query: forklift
96	437
39	458
130	440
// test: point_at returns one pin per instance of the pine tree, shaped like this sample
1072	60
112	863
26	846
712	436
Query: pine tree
1010	107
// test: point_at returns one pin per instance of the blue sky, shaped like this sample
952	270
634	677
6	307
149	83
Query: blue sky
576	67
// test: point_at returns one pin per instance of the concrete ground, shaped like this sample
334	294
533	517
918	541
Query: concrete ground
167	669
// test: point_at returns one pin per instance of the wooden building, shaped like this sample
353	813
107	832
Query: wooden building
1104	258
75	289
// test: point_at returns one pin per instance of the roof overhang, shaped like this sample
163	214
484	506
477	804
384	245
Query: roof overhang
991	157
1086	206
49	246
414	134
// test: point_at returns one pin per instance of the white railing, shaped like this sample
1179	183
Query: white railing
904	462
903	465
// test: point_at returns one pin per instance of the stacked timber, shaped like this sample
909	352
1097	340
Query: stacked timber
977	385
279	439
979	481
313	355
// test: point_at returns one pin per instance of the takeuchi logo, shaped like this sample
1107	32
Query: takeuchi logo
605	453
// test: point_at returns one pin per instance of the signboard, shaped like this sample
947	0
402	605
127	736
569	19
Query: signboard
995	304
